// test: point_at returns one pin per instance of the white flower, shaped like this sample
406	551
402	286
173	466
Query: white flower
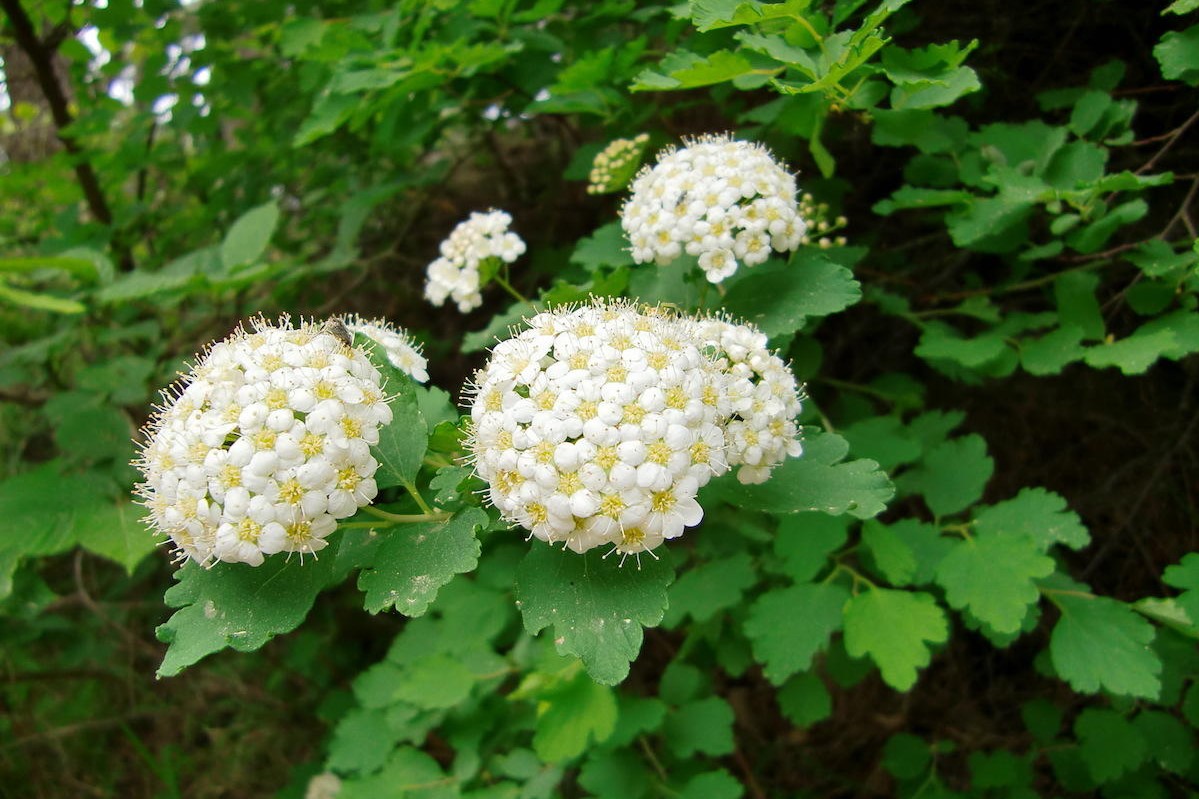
400	350
725	201
456	274
598	425
263	445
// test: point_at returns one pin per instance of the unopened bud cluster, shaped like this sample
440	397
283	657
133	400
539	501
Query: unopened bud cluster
614	166
456	273
727	202
820	228
263	445
598	425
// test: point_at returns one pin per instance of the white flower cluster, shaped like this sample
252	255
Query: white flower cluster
598	425
762	432
724	201
455	274
614	165
263	445
401	352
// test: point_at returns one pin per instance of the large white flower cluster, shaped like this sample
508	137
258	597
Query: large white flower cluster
263	445
724	201
455	275
598	425
400	350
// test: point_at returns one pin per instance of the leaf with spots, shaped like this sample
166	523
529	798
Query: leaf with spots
238	606
596	606
415	560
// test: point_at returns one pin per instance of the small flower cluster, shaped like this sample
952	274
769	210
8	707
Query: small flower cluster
264	445
762	432
401	352
598	425
614	166
456	274
724	201
819	225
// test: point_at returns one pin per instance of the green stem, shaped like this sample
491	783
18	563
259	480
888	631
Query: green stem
404	518
508	287
420	501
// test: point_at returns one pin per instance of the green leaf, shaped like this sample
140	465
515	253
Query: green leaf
924	541
805	700
408	774
116	532
684	70
712	785
361	741
1037	513
1135	354
1168	740
1185	577
894	628
891	554
1101	643
435	682
1052	352
941	342
570	715
607	246
23	264
780	299
246	241
709	588
39	301
1178	55
238	606
953	474
701	727
994	225
805	541
784	639
992	575
817	481
415	560
1076	303
905	756
597	607
402	444
709	15
620	774
1181	7
1108	743
884	439
328	114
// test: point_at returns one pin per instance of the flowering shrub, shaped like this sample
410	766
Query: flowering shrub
742	500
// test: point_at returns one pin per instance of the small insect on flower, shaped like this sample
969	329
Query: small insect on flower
336	328
264	444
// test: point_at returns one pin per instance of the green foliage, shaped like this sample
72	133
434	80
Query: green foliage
1027	252
596	606
411	563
